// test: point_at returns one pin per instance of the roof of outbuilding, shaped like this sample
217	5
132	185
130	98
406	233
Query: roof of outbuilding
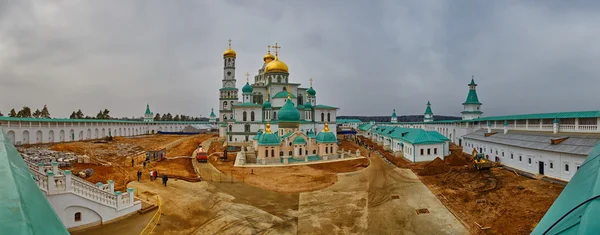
577	143
411	135
576	209
23	209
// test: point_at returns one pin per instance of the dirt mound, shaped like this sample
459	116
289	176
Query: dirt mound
437	166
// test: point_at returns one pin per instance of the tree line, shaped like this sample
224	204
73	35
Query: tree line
25	112
404	118
169	117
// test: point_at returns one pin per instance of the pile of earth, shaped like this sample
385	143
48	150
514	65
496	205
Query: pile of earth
437	166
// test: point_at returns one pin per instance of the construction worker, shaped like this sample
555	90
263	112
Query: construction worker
165	178
145	164
132	162
151	174
139	175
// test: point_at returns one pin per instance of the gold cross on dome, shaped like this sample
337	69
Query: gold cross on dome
247	74
276	47
229	43
311	80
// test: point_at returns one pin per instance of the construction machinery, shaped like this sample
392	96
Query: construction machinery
201	155
479	161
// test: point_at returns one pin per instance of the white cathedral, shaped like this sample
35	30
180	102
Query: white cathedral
263	99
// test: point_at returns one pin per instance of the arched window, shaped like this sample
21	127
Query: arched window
247	127
230	127
300	99
272	153
224	104
77	216
252	116
326	149
279	80
328	117
274	115
300	151
331	149
280	153
244	116
322	117
224	117
314	151
290	153
266	153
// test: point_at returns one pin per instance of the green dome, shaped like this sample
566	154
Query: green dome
267	105
269	138
247	88
288	113
311	91
326	137
308	106
299	140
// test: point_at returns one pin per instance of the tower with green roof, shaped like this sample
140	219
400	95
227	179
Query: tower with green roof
394	117
471	107
428	117
213	117
247	91
148	116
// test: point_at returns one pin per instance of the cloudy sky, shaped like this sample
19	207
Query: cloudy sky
367	57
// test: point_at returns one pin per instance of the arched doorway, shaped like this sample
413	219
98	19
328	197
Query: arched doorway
39	137
25	137
61	136
51	136
11	136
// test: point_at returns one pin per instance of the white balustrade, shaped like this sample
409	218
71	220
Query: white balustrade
567	126
588	127
547	126
521	126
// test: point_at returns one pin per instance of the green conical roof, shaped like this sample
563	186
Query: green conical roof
299	140
247	88
472	96
288	113
212	113
148	109
428	110
472	82
394	113
311	91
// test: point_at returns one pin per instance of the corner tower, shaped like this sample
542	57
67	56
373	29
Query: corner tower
428	117
148	116
228	92
471	107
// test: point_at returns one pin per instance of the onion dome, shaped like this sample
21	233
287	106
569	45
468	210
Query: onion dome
268	57
229	52
326	136
267	105
288	113
268	138
276	66
308	106
311	91
247	88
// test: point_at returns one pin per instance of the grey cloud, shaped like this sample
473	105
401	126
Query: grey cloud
367	57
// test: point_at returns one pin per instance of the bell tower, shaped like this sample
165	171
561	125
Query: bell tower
228	92
471	107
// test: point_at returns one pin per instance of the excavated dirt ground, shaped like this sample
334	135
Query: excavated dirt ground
109	162
282	179
494	201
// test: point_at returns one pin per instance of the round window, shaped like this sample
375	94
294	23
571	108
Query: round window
228	73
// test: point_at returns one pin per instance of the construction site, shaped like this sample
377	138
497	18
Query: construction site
346	197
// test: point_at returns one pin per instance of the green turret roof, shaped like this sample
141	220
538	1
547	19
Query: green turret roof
311	134
394	113
308	106
428	110
267	105
472	96
247	89
299	140
288	113
283	94
311	91
268	138
148	109
212	113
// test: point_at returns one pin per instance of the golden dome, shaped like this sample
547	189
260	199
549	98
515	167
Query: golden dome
229	52
268	58
276	66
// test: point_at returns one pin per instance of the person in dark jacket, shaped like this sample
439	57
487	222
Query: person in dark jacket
132	162
165	178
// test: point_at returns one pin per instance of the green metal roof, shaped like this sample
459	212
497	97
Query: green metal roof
320	106
582	114
472	98
247	89
283	94
348	121
299	140
257	135
428	109
311	134
23	209
228	89
472	82
148	109
247	104
269	139
16	119
365	126
308	106
411	135
287	135
267	105
326	137
288	113
311	91
212	113
394	113
578	199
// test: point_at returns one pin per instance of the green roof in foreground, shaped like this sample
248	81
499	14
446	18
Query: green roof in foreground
23	209
576	209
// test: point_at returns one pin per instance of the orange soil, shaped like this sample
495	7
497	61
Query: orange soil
288	179
186	148
181	167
